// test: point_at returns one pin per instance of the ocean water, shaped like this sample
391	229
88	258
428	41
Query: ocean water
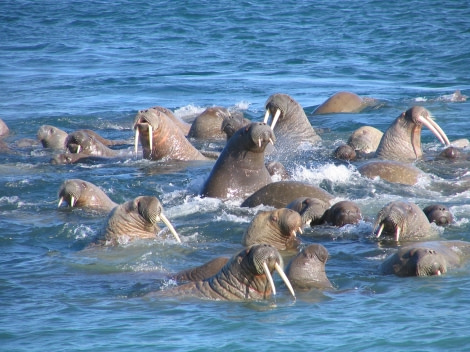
93	64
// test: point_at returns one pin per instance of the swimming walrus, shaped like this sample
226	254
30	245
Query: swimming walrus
343	102
342	213
161	138
307	269
79	193
135	219
426	258
276	227
391	171
403	221
240	168
439	214
402	140
311	210
289	123
246	276
81	141
279	194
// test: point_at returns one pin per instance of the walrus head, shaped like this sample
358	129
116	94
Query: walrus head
260	135
391	219
420	261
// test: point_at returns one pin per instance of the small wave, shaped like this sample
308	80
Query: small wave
188	111
331	172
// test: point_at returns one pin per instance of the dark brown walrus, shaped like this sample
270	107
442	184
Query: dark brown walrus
246	276
240	168
426	258
161	138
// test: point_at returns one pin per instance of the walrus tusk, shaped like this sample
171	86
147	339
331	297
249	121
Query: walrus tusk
266	116
170	226
300	230
397	233
275	118
270	278
284	278
78	149
136	141
259	142
435	129
72	201
379	232
150	139
272	142
61	199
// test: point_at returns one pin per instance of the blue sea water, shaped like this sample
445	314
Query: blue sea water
93	64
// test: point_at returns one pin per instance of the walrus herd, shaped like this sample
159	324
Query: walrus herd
244	170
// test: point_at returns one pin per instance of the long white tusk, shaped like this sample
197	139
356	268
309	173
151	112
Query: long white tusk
136	140
270	278
170	226
272	142
150	139
72	201
266	116
78	149
379	232
435	129
259	142
61	199
278	113
284	278
397	234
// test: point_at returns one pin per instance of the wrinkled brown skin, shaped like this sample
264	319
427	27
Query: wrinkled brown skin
134	219
426	258
311	210
414	224
306	270
75	158
4	130
279	194
89	144
342	213
345	152
208	125
201	272
86	195
391	171
341	102
439	214
293	126
241	278
402	140
275	227
240	169
365	139
168	141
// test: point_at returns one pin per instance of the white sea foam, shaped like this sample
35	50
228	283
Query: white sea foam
331	172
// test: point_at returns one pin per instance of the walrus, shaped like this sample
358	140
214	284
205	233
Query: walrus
83	142
277	171
391	171
233	122
365	139
182	125
279	194
78	193
240	169
403	221
311	210
161	138
343	102
439	214
426	258
75	158
290	123
214	122
246	276
342	213
54	138
307	269
345	152
402	140
135	219
276	227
